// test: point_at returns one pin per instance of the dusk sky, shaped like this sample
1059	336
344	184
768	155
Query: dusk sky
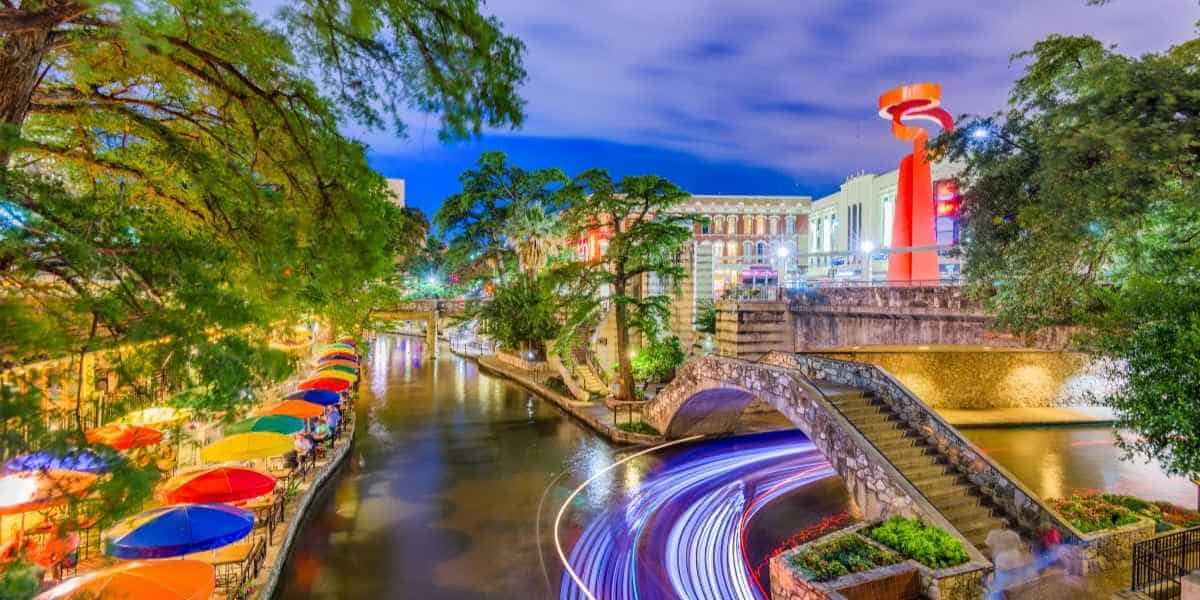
751	96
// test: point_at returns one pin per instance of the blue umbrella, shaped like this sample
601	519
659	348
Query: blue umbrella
69	460
178	530
322	397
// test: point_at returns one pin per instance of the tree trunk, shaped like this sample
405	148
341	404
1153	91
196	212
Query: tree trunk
625	369
21	56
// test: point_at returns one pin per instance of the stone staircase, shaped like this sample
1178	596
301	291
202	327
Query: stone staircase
959	501
585	374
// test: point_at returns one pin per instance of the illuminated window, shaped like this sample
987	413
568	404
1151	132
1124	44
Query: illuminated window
791	224
747	248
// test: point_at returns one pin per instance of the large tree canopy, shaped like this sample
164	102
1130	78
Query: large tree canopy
1083	208
169	172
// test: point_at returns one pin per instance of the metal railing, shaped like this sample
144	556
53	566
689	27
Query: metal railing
1160	563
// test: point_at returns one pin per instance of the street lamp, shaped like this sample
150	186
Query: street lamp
866	247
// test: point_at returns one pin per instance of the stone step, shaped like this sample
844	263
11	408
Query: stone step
851	399
899	445
934	482
976	530
925	472
947	493
900	453
881	427
921	460
958	497
967	513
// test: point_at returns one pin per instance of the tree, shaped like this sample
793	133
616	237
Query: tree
643	238
504	214
1082	208
174	187
706	317
522	315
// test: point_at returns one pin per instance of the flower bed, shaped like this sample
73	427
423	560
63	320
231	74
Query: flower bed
913	539
1091	512
841	556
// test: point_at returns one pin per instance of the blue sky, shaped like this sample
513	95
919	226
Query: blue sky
751	96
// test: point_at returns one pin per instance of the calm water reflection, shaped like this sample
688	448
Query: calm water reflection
1054	461
450	468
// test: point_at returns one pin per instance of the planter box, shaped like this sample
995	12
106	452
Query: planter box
1108	548
901	581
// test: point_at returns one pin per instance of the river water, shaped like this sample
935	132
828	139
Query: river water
457	478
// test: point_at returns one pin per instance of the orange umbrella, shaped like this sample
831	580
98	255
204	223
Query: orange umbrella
138	580
123	437
33	490
295	408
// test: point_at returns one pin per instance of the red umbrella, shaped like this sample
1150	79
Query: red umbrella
218	484
123	437
325	383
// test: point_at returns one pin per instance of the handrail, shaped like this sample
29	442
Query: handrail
1056	518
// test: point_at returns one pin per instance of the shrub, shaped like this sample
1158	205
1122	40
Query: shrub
658	360
913	539
1094	512
706	317
841	556
558	386
638	427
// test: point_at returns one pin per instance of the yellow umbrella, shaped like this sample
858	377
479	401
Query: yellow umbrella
247	446
335	374
155	415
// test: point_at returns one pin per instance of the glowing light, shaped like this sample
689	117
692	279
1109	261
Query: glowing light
782	252
980	133
867	246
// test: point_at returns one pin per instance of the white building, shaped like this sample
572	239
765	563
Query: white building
396	189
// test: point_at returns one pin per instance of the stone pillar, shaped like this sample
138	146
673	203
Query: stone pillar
749	330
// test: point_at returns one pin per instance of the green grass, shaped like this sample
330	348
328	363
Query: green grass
841	556
913	539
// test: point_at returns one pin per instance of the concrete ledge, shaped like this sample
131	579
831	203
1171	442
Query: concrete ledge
593	415
317	488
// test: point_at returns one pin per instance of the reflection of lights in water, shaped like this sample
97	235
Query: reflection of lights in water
1052	475
687	519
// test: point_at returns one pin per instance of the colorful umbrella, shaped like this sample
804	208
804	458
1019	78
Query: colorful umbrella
68	460
177	530
325	383
339	368
301	409
344	376
152	580
124	437
339	346
247	446
155	415
322	397
337	362
34	490
217	484
349	341
340	356
285	424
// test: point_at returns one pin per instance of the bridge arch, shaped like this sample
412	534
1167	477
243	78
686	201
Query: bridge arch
709	394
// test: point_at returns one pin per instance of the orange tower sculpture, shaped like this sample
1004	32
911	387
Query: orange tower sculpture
914	221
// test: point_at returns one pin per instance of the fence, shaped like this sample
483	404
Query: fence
1160	563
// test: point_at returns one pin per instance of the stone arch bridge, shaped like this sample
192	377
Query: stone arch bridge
895	454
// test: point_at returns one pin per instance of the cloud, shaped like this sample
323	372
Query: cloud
789	84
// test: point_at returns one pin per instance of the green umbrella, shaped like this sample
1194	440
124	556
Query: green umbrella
267	423
341	368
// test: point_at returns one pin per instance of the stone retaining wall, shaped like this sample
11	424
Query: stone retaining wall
1023	509
536	368
1108	549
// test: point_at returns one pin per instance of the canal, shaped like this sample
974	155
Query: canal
457	478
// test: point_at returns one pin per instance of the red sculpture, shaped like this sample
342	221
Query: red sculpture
914	221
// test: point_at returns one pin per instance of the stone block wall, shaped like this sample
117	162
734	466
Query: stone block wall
1023	509
749	330
1105	550
787	584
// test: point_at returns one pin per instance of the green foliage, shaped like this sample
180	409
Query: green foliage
657	360
1083	209
643	237
841	556
706	317
20	579
522	314
1094	512
504	219
913	539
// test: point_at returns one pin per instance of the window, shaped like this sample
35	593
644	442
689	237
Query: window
718	249
731	248
717	222
747	248
761	229
704	224
791	224
854	222
760	250
774	225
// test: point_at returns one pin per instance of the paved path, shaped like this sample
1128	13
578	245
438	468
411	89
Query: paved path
1027	417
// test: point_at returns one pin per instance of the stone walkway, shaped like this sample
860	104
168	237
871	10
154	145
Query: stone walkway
1027	417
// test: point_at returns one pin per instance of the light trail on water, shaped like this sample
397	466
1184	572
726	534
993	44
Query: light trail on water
681	533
